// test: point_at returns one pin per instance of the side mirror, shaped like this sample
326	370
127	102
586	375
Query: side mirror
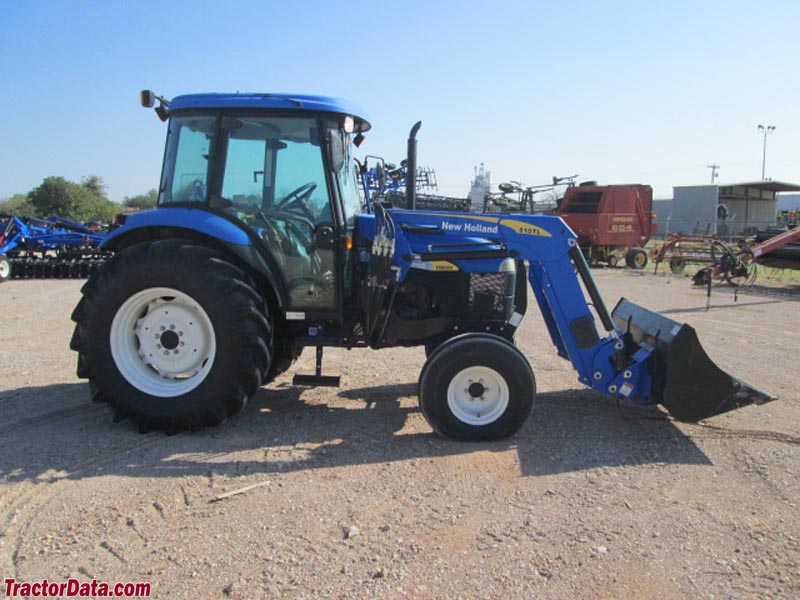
147	98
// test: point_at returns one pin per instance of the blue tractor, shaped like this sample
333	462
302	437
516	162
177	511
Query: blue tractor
261	246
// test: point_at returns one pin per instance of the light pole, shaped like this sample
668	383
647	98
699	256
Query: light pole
767	129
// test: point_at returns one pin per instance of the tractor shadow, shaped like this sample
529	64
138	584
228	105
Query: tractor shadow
53	432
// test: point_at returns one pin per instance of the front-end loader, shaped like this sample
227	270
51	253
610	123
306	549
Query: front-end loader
261	246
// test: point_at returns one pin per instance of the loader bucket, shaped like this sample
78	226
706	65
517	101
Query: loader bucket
684	379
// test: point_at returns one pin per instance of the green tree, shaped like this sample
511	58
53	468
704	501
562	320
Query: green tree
57	196
141	201
53	196
95	184
17	205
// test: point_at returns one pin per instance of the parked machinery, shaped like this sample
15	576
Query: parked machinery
261	246
387	183
516	197
734	263
611	221
33	248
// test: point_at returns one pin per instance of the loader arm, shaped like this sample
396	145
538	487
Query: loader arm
629	356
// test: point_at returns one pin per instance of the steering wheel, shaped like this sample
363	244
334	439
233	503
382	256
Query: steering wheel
298	198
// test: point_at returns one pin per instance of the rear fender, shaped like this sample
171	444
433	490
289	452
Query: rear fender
209	229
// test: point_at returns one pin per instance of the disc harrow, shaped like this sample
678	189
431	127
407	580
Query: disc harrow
54	268
53	248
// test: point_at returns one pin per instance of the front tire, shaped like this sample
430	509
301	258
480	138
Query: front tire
476	387
172	336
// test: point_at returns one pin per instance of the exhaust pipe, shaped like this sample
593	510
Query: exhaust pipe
684	379
411	167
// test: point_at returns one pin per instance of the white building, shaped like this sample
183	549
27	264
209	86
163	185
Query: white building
730	209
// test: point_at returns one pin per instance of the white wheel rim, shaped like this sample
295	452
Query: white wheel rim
5	268
472	407
163	342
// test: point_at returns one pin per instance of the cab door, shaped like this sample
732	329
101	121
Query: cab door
274	180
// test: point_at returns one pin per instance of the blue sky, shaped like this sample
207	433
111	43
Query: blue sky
619	92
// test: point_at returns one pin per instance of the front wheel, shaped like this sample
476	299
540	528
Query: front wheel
172	336
476	387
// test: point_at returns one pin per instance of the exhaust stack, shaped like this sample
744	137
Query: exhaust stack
411	168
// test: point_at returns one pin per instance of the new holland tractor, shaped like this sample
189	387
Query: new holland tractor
260	247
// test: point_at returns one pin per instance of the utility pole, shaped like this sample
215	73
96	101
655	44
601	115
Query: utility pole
714	168
767	129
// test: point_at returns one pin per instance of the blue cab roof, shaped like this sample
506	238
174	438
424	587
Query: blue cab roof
274	101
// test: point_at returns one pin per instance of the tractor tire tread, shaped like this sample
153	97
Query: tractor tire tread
251	335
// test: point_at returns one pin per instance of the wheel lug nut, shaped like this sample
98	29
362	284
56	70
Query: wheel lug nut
180	333
158	346
182	344
175	352
162	328
156	336
172	327
166	352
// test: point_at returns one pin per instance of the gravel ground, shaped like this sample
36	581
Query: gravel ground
350	495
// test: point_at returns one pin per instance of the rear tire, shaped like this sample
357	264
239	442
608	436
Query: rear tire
636	258
612	260
283	357
476	387
5	268
172	336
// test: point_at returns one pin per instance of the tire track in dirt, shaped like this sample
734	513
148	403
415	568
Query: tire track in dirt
22	507
48	418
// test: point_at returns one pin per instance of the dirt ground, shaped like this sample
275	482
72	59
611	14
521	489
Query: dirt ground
351	495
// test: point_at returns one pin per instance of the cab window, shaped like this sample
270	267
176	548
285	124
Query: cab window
185	171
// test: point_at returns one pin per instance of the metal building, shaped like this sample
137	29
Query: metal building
728	209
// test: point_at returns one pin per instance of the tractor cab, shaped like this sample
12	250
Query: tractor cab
281	167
